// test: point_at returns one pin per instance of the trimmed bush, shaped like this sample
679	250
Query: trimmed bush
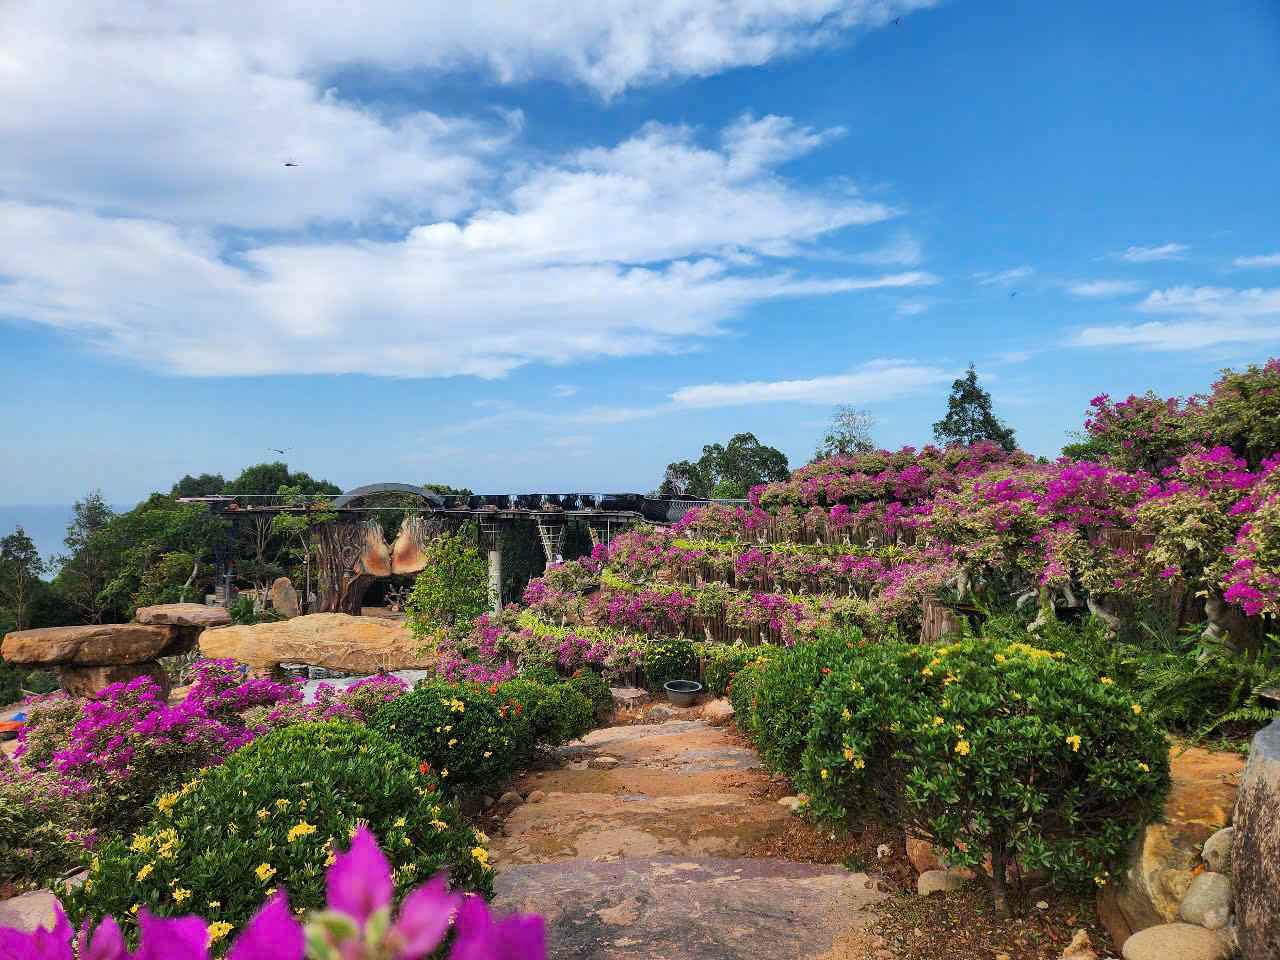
665	660
595	688
556	713
782	705
725	662
273	816
989	748
467	736
43	829
745	685
540	674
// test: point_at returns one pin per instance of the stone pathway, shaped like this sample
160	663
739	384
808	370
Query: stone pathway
633	849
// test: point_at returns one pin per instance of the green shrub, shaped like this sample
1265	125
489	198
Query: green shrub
1009	750
43	828
783	700
469	738
595	688
243	614
540	674
725	662
273	816
745	685
556	713
665	660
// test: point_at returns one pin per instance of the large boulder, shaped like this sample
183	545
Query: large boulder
333	640
184	615
284	599
1255	854
1165	855
96	644
87	681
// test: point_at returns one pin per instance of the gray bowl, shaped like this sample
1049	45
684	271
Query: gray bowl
682	693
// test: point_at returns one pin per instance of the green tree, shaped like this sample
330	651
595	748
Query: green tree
264	479
727	471
451	589
86	564
20	571
205	485
849	432
296	529
1083	446
969	419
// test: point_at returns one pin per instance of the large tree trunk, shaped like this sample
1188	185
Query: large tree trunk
340	575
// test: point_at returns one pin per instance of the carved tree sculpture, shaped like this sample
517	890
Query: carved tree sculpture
353	555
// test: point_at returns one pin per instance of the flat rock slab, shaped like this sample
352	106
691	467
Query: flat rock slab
690	746
96	644
28	911
333	640
184	615
596	825
672	908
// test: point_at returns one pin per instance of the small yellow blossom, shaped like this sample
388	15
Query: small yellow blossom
263	813
1144	768
300	829
1074	740
481	855
1000	658
407	841
329	859
859	763
282	803
146	871
399	822
962	748
926	672
218	930
824	773
488	754
270	892
166	801
214	904
1105	680
264	871
135	908
1136	709
181	894
959	728
453	741
948	680
845	713
938	721
848	753
444	772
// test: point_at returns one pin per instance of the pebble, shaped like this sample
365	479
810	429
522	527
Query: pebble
603	763
1174	941
535	797
1207	901
510	798
1042	905
1217	850
791	803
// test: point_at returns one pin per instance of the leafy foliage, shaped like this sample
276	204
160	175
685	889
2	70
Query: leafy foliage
595	688
272	818
557	713
725	664
984	747
451	587
467	736
727	471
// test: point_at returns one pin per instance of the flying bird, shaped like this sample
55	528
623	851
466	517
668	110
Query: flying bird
1013	293
279	451
897	21
291	162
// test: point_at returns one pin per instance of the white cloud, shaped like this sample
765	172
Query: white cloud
564	390
1104	288
864	386
1266	260
1008	276
1015	356
1166	251
1208	316
912	308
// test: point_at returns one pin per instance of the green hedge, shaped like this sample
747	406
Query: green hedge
556	713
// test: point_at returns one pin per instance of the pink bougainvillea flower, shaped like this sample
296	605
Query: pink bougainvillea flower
171	938
272	934
518	937
424	920
359	881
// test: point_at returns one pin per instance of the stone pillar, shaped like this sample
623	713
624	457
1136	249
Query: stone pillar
491	532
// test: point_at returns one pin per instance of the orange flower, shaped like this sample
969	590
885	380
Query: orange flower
826	669
493	688
424	769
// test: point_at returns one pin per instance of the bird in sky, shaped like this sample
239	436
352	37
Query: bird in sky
291	162
1013	293
279	451
897	21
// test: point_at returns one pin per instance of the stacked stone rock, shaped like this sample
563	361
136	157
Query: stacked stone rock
94	656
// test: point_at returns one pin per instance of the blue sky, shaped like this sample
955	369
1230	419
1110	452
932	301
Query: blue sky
551	245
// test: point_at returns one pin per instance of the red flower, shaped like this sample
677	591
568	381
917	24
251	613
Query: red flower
826	669
424	769
493	688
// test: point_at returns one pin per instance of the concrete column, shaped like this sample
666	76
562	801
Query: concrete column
495	577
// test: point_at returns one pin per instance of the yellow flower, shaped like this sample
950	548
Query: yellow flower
845	713
166	801
444	772
1105	680
453	741
135	908
1074	740
399	822
180	894
481	855
269	892
146	871
282	803
1144	768
329	859
824	773
263	813
959	728
215	904
140	843
962	748
300	829
439	824
488	754
938	721
1000	658
1136	709
948	680
218	930
859	763
264	871
407	841
926	672
848	753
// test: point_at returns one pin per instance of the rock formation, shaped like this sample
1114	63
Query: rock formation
284	599
334	640
1255	854
184	615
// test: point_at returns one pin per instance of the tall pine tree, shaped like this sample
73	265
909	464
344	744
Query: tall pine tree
969	419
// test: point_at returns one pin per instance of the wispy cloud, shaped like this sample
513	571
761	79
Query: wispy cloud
1104	288
912	308
564	390
1166	251
1265	260
1207	317
1008	276
1015	356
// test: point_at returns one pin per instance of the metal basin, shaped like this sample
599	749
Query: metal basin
682	693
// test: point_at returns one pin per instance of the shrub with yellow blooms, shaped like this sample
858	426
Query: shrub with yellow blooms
274	816
988	748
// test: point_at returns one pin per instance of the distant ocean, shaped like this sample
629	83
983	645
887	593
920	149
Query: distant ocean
44	523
